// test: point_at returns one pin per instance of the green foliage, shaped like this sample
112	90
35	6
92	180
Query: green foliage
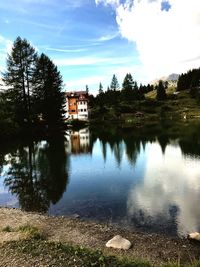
114	83
161	93
130	90
67	255
34	96
7	229
189	80
48	98
31	231
100	89
19	79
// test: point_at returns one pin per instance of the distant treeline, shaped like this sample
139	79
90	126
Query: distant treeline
190	81
127	94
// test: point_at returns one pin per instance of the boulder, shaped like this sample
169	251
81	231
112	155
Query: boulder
194	236
118	242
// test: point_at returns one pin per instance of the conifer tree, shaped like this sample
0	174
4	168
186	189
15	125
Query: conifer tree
161	93
19	79
100	88
48	96
114	83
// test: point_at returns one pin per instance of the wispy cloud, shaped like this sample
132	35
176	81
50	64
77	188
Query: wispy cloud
90	60
81	61
108	37
76	50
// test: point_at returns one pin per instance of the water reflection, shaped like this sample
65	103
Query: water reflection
37	173
79	141
169	195
143	178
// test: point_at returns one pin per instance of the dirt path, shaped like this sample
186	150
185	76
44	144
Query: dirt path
152	247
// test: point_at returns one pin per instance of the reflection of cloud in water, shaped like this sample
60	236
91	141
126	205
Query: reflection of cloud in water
169	180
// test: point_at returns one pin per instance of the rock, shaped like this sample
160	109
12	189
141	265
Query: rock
194	236
76	216
118	242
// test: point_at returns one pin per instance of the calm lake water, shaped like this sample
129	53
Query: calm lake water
142	179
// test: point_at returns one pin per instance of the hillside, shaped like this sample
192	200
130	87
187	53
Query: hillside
180	104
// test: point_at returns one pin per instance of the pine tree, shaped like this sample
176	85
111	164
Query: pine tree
161	93
128	83
87	89
19	79
114	83
100	88
128	88
48	96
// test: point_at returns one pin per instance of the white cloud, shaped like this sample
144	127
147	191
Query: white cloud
167	41
5	47
5	44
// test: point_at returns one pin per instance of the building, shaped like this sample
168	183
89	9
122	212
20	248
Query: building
77	105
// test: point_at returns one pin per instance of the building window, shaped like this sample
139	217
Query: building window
73	110
81	110
74	104
85	109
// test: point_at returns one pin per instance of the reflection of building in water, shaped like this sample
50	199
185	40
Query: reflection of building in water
79	141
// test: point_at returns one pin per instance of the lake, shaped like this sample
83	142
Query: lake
140	178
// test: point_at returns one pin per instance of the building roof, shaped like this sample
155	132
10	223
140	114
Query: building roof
81	95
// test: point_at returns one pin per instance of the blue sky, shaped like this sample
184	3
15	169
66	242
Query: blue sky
90	40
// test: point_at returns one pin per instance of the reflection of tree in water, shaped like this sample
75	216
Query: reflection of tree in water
38	174
132	148
118	152
163	141
119	142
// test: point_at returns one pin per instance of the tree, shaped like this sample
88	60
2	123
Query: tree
129	88
48	96
19	79
161	93
114	83
100	88
128	83
87	89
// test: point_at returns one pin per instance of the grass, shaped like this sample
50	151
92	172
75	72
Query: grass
58	254
7	229
35	249
30	231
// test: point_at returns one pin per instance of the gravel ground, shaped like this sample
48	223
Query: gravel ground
154	248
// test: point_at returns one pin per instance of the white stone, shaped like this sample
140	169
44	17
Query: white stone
195	236
118	242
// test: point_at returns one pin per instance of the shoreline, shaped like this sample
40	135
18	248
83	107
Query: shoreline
154	248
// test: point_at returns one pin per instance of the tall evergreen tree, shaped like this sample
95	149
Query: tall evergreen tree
48	95
128	83
19	79
87	89
114	83
161	93
100	88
